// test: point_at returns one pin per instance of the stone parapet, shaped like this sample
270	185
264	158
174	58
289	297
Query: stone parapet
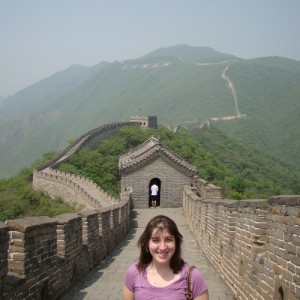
72	188
41	257
83	140
204	189
254	245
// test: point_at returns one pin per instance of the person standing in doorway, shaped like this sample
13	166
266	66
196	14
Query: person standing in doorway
154	194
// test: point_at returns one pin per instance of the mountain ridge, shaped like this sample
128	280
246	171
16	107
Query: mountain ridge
191	54
176	90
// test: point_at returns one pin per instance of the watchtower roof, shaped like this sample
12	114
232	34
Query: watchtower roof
149	150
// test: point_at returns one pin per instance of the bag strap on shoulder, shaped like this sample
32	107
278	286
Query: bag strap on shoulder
188	291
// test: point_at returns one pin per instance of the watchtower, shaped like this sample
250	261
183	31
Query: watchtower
153	162
145	121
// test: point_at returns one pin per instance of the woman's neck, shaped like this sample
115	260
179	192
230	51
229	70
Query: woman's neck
160	268
161	275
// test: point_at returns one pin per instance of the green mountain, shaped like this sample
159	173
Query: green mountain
270	96
180	85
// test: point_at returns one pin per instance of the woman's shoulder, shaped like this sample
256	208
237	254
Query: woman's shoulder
198	282
186	266
196	273
133	268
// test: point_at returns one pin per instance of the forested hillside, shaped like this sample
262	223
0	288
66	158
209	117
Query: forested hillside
241	172
179	85
271	99
18	199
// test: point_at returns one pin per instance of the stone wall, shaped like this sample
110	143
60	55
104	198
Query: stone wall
206	190
77	190
41	257
90	139
253	245
74	189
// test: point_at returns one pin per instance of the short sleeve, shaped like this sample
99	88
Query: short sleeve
130	277
198	283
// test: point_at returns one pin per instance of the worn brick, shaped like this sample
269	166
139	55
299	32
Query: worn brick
289	247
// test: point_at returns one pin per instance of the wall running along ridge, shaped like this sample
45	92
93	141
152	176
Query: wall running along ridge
74	189
254	245
41	257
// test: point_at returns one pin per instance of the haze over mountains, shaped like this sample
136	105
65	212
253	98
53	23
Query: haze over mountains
180	85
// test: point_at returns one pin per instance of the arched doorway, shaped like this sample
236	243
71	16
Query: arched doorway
158	183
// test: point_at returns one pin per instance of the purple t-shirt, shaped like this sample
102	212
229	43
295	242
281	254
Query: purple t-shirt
137	282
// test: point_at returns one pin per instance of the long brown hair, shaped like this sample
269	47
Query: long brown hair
161	222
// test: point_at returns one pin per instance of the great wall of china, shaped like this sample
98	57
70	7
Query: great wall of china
207	122
254	244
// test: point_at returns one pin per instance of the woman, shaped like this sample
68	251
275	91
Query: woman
160	272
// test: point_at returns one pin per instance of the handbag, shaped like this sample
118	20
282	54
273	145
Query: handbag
188	291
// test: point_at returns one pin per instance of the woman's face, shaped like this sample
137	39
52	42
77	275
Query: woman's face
162	246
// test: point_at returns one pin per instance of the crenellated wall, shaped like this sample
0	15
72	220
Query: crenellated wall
74	189
90	139
253	245
206	190
41	257
77	190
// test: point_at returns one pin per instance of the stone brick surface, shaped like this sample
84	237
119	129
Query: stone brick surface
252	254
53	254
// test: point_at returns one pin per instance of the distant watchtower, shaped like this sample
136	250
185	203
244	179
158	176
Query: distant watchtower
146	121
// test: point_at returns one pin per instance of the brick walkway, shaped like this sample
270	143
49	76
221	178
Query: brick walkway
106	280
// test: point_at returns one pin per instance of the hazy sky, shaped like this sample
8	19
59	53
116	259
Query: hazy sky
39	38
